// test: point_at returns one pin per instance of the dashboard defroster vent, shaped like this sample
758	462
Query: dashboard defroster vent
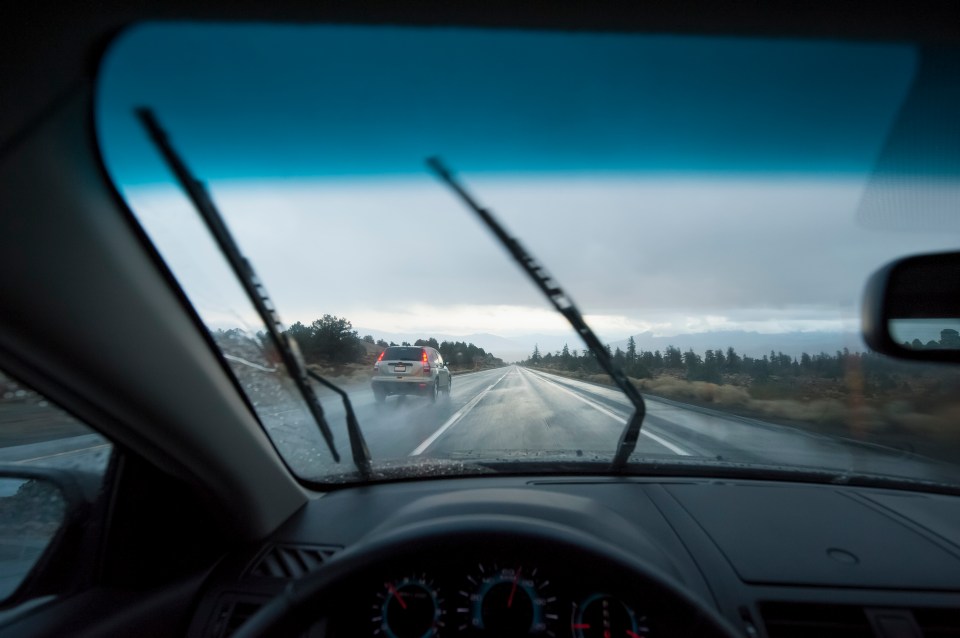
803	620
231	613
291	562
793	620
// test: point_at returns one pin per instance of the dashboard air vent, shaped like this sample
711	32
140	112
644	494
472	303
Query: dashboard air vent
803	620
291	562
231	614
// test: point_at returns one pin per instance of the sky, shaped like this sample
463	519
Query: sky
671	184
405	256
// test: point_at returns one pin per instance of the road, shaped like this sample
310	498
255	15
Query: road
516	411
519	413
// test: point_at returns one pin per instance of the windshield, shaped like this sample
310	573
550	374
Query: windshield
713	205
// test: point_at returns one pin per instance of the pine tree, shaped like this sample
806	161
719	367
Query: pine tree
631	352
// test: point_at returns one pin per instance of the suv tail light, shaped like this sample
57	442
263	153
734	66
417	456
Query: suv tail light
376	364
426	361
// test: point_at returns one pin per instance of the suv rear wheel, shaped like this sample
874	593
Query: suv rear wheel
435	391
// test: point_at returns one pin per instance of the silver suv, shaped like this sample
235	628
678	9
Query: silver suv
410	370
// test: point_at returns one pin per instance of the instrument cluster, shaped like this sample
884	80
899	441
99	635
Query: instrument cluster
503	599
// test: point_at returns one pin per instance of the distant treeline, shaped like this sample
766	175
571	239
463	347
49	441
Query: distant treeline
458	353
333	340
879	371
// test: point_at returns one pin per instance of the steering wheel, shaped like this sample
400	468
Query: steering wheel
307	601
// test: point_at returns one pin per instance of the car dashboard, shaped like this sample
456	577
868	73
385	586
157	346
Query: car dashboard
607	556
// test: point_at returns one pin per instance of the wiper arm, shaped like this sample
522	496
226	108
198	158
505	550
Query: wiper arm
286	346
565	306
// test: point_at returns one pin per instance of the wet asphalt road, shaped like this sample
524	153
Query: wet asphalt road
515	409
519	413
506	409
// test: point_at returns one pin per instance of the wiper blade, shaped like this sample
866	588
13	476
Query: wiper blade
286	346
358	446
565	306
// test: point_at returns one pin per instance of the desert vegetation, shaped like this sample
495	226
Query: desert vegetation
860	395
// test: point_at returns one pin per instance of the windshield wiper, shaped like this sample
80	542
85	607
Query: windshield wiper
565	306
286	346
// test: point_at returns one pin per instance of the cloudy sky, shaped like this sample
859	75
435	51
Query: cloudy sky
671	184
668	256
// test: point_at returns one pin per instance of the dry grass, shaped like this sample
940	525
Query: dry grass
822	411
933	429
345	373
939	425
817	411
696	391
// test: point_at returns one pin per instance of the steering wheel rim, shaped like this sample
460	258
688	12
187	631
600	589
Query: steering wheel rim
310	599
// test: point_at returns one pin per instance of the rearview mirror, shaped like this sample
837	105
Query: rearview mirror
911	308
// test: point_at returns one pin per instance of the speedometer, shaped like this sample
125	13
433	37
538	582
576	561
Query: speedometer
408	608
507	601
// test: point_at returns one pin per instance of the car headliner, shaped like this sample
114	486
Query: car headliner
60	47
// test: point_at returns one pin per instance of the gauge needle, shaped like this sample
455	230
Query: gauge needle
396	594
513	591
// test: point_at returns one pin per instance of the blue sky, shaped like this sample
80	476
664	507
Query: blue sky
672	184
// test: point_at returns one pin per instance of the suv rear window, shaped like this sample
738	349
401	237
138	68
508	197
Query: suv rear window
403	353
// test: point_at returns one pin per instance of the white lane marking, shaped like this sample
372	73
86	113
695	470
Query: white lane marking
459	414
676	449
67	453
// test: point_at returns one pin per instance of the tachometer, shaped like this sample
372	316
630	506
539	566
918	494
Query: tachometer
408	608
508	601
604	616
